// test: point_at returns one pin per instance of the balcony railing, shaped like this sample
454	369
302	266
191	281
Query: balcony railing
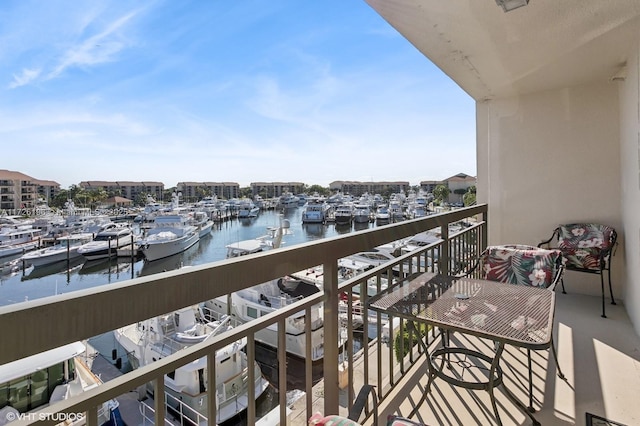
38	325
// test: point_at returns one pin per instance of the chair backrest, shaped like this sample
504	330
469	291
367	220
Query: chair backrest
521	264
586	236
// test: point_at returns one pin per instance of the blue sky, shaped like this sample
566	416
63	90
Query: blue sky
239	91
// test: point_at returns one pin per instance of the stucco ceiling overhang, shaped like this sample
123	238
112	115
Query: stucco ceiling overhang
546	45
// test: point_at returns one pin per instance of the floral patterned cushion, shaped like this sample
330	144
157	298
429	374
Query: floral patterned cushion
331	420
393	420
583	244
521	264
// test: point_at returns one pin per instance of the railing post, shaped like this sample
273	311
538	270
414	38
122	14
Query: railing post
485	229
92	416
331	335
251	391
212	388
159	399
443	261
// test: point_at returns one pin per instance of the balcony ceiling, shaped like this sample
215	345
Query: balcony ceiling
548	44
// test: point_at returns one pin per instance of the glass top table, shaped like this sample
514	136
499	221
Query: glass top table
504	313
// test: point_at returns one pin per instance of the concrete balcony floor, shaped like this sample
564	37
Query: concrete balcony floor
599	357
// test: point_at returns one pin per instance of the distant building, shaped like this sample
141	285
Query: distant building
195	191
356	188
47	189
429	185
20	191
458	186
127	189
275	189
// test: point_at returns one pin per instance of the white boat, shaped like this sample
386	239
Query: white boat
29	384
170	235
107	242
202	221
343	214
314	211
246	209
66	248
287	201
17	239
262	299
361	213
382	214
186	388
396	211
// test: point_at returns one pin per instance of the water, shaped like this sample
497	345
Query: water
20	284
29	284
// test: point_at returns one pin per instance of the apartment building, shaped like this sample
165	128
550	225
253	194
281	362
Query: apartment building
195	191
357	188
275	189
127	189
20	191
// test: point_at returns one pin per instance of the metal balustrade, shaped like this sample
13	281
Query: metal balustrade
42	324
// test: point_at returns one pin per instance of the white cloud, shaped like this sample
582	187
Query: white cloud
97	49
24	78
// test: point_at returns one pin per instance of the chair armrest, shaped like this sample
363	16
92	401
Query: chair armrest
361	402
461	273
547	243
558	277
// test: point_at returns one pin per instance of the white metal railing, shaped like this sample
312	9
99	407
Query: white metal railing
42	324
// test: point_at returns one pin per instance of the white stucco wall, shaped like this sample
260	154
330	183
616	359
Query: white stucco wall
549	158
630	174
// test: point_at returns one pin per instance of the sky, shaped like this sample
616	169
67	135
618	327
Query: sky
235	91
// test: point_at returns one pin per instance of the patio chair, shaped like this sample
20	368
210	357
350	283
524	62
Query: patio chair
587	247
522	265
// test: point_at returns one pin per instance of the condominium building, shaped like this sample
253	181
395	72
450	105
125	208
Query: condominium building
195	191
275	189
131	190
20	191
356	188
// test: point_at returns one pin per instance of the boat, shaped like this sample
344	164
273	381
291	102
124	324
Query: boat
19	238
186	388
107	242
382	214
170	235
265	298
314	211
287	201
66	248
396	211
29	384
262	299
202	221
361	213
343	214
246	209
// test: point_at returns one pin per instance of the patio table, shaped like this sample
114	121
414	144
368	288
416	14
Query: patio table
507	314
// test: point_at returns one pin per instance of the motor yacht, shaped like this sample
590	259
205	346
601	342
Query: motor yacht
66	248
107	242
16	239
186	388
31	383
171	234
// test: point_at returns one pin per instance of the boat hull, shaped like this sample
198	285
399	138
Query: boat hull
160	249
51	257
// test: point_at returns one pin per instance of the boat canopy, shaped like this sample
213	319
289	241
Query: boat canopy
25	366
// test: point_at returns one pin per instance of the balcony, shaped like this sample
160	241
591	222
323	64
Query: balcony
599	356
